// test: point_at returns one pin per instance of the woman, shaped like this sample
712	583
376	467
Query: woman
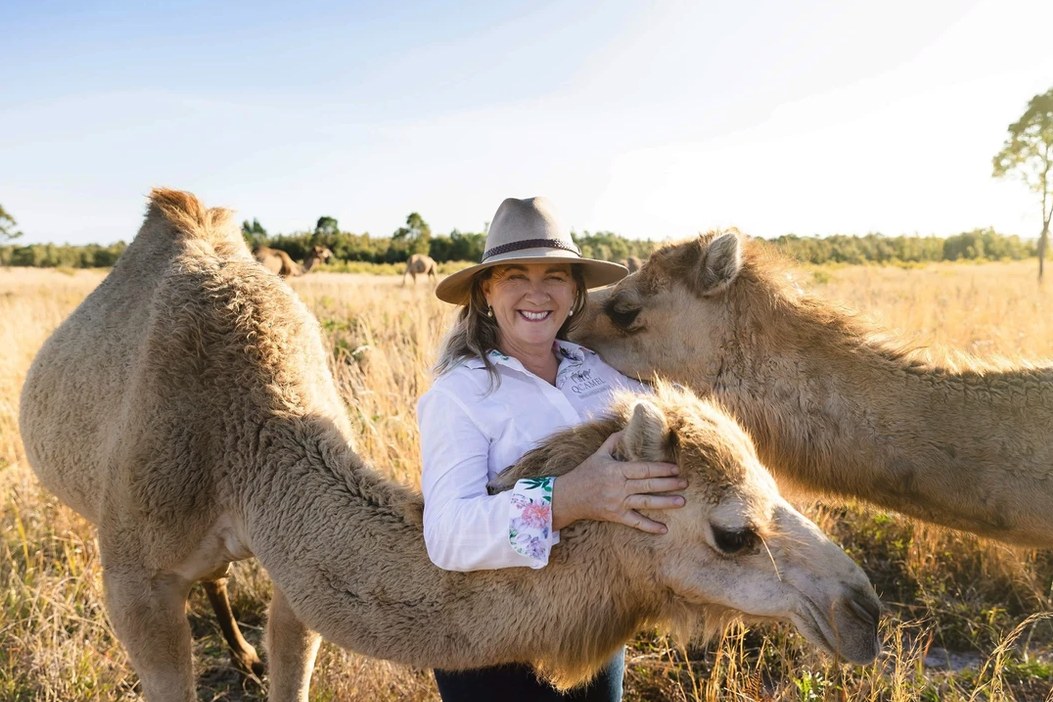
507	379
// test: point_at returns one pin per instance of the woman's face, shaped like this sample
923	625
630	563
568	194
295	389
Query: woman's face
531	301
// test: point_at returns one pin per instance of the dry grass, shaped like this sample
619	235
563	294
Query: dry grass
946	594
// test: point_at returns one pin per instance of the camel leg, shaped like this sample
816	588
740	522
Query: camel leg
149	616
291	651
241	651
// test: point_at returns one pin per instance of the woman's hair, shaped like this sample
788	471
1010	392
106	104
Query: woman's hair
475	332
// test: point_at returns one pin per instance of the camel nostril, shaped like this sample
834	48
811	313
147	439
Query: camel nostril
866	607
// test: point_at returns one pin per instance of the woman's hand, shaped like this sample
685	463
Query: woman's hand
606	489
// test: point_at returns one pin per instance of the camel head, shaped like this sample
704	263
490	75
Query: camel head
675	317
737	549
322	253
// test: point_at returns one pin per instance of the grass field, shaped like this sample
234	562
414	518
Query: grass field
965	620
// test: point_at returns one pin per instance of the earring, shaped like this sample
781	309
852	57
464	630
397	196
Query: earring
571	313
489	311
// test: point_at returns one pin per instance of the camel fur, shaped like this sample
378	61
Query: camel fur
834	405
420	264
186	408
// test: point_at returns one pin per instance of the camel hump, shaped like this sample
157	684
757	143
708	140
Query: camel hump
184	215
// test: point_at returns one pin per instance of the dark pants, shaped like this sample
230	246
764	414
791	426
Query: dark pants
518	682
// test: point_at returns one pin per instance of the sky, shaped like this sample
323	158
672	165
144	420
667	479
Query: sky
652	119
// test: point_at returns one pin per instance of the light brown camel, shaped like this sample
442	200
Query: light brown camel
279	262
832	405
317	254
420	264
186	408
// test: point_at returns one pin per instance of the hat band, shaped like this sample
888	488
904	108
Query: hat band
530	244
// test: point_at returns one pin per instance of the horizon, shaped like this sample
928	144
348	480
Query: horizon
651	121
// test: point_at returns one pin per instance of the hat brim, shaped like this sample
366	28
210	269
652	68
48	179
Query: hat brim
455	288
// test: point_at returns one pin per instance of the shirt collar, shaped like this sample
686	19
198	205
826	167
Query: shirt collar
566	351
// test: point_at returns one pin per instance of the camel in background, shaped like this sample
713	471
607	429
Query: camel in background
633	263
187	409
279	262
834	405
420	264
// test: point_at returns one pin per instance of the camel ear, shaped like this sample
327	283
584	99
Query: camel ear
647	437
721	262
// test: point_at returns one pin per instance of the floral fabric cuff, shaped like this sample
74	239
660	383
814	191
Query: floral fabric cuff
530	519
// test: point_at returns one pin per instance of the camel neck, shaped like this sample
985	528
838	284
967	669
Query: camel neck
837	411
365	558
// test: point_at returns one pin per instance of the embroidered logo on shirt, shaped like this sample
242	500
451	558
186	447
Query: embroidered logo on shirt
583	384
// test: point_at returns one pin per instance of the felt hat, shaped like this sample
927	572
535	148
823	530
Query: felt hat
527	231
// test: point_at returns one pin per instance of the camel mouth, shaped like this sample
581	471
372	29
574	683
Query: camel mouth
846	629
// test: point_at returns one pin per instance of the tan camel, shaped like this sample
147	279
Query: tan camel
834	406
420	264
318	254
279	262
186	408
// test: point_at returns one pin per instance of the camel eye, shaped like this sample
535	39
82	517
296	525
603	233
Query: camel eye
623	317
732	541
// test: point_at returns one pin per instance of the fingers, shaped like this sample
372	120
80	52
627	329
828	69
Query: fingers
655	485
640	470
638	521
635	502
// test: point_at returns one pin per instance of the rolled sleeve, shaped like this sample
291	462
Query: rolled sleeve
464	527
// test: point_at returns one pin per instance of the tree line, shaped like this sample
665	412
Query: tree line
975	245
1027	154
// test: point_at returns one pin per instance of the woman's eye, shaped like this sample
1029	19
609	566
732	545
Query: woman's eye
732	541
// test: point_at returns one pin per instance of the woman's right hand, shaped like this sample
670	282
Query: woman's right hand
605	489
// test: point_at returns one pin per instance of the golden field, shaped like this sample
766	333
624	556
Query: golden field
965	620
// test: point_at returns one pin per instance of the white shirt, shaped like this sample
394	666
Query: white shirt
469	434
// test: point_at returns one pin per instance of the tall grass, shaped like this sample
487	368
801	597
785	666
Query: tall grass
949	597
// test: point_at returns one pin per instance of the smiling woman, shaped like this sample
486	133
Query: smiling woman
507	379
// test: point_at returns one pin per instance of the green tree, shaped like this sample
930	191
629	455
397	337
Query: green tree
255	235
1028	153
413	238
327	226
7	226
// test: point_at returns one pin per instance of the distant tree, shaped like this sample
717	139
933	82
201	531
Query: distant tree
327	226
7	226
413	238
1028	153
255	235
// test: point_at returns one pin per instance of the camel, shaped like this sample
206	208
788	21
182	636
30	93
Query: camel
633	263
420	264
317	254
279	262
186	408
835	406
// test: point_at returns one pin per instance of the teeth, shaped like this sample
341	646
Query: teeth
534	316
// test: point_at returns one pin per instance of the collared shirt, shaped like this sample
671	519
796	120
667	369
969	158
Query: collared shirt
470	432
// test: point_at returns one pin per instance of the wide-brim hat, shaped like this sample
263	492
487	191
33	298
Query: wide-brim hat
527	231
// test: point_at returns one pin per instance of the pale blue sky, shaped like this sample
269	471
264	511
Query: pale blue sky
652	119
